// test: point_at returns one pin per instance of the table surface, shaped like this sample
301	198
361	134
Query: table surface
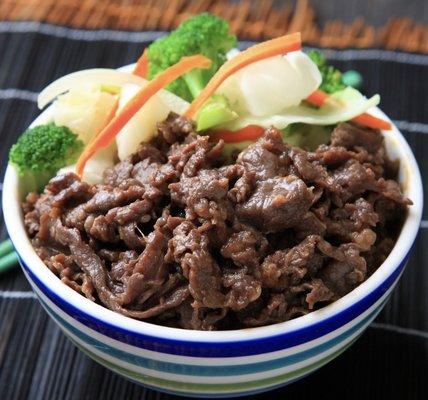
36	360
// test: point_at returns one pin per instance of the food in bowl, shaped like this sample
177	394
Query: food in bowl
179	236
256	205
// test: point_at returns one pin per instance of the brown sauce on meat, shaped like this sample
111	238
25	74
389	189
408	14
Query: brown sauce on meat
178	237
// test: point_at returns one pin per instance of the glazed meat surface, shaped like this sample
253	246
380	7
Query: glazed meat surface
178	236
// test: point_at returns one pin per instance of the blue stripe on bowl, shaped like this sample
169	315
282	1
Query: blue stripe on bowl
208	370
220	349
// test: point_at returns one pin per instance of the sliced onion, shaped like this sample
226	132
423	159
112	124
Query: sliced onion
142	126
96	76
268	86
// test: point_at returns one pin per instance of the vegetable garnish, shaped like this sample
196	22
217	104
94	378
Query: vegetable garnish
318	98
86	78
248	133
185	65
142	66
8	257
111	89
204	34
370	121
41	151
214	112
270	48
332	78
110	115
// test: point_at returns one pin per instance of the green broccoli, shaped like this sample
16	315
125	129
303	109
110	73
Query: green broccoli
213	30
331	77
41	151
202	34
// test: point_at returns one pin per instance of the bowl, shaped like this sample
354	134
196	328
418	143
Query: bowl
226	363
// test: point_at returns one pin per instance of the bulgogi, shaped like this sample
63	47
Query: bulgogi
180	236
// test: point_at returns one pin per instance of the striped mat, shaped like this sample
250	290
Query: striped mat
38	362
250	19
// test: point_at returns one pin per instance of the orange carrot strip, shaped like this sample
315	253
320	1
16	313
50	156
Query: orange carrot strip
134	105
248	133
110	115
270	48
370	121
318	98
142	67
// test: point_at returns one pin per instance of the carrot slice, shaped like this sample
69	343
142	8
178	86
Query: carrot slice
104	138
110	115
248	133
270	48
370	121
142	66
318	98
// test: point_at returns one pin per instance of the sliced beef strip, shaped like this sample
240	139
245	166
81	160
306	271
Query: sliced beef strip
114	176
131	235
208	184
341	276
350	137
204	279
274	309
245	247
83	256
108	197
174	129
311	171
186	238
243	289
266	158
286	268
276	204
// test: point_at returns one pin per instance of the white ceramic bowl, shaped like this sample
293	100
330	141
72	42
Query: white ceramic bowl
217	364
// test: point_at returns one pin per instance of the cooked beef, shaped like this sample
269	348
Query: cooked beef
178	236
276	204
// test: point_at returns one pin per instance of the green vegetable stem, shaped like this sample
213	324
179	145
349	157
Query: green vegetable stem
214	112
8	257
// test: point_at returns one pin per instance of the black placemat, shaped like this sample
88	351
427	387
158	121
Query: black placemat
37	362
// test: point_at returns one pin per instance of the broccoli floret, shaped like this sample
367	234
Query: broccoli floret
331	77
213	30
202	34
41	151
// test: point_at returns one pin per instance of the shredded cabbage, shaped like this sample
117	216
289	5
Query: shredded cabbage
341	106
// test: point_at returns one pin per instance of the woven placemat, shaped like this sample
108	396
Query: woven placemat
249	20
37	362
